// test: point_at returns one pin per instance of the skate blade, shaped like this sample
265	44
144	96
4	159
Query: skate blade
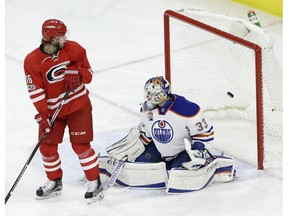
100	196
52	195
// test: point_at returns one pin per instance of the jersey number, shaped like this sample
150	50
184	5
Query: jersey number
28	79
201	125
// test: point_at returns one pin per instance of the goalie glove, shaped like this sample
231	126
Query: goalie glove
130	147
197	156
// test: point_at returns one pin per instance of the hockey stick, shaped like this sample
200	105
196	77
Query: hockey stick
116	172
37	146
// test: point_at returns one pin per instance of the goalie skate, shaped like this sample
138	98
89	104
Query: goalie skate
95	191
49	190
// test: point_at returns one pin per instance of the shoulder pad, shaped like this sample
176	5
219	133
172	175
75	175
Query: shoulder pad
184	107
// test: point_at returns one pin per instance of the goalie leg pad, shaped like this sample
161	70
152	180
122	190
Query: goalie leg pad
224	170
182	180
137	174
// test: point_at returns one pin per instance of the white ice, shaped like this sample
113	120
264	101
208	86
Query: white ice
124	42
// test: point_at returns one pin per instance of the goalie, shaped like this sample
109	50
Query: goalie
168	149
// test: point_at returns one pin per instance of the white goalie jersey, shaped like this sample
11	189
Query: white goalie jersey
172	127
169	125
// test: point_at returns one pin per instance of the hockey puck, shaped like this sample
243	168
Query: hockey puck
230	94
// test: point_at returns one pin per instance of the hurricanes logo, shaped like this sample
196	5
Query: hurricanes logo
56	73
162	131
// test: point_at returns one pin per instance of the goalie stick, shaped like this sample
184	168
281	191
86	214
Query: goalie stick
116	172
210	154
121	144
37	146
114	175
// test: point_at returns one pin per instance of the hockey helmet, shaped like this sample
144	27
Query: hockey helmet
156	90
53	28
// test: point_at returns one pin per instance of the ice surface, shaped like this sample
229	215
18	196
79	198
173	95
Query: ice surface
124	42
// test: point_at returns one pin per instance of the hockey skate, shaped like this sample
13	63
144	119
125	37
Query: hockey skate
95	191
49	189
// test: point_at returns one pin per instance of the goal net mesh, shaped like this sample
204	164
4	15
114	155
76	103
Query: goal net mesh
220	75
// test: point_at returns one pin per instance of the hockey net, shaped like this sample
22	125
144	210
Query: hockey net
227	66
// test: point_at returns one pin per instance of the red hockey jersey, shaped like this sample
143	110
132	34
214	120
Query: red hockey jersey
45	78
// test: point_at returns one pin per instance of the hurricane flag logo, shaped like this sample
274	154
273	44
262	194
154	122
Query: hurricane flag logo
162	131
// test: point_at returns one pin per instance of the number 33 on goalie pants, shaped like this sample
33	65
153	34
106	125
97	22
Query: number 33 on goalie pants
182	180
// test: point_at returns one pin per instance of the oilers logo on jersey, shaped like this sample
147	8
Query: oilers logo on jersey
162	131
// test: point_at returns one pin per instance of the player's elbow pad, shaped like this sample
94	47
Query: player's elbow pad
86	74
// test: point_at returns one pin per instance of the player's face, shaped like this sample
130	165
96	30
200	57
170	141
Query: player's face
59	40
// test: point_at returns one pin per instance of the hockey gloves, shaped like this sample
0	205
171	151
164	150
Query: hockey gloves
129	147
196	155
44	123
72	78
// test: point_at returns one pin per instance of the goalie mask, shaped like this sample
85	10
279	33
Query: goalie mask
156	90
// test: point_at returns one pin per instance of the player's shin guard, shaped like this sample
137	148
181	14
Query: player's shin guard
90	165
89	162
51	161
52	166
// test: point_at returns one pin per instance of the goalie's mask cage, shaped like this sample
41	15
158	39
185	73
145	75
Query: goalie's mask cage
227	66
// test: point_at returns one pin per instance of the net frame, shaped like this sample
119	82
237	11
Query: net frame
169	14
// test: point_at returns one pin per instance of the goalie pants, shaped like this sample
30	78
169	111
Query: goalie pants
152	155
81	134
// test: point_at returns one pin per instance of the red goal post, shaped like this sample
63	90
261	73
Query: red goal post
205	51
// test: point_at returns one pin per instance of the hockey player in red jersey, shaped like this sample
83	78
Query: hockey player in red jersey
57	65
